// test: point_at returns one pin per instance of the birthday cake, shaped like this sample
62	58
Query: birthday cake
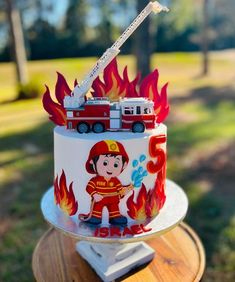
110	151
110	143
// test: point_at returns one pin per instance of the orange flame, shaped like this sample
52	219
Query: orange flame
156	199
149	89
148	204
160	186
64	197
137	210
56	109
115	87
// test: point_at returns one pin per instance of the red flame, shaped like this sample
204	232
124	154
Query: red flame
160	186
114	87
156	199
149	89
64	197
148	204
56	109
137	210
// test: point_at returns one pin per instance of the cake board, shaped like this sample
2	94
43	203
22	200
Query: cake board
110	252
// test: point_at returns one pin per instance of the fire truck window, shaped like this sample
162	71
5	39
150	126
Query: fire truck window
128	110
138	112
147	111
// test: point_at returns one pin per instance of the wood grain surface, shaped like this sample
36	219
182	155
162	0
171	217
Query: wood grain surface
179	257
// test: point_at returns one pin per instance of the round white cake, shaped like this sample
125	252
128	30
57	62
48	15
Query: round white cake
112	177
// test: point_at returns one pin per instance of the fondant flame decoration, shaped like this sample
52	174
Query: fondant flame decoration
56	110
64	197
113	87
147	204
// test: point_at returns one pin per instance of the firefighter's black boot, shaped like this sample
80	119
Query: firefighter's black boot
94	220
120	220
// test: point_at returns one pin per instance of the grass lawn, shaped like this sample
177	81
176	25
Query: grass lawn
201	155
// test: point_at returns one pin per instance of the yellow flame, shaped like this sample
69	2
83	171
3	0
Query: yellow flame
141	214
65	206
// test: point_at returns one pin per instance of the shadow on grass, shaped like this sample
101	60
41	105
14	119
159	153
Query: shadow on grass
211	213
212	208
210	97
20	194
7	102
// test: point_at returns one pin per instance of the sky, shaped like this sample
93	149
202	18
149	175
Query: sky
59	11
54	17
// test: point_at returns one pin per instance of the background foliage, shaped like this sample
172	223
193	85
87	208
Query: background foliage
86	28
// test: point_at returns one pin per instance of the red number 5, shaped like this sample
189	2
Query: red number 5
156	152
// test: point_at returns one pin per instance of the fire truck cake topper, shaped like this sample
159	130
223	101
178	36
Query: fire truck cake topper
116	103
110	142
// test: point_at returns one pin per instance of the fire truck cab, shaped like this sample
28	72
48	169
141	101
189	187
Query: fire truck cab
99	115
137	114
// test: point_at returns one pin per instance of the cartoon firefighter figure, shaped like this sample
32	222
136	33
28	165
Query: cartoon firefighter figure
107	160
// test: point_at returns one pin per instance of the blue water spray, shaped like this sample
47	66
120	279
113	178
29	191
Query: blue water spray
139	172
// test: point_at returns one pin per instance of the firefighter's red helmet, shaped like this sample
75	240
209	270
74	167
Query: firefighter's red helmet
105	147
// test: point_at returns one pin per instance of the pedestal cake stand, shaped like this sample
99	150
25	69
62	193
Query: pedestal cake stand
114	251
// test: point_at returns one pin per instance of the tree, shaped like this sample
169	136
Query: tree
205	39
43	41
174	30
104	34
143	42
75	25
17	42
222	23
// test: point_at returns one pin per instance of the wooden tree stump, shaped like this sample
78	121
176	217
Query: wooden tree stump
179	257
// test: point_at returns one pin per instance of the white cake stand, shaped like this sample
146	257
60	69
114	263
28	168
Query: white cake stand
114	253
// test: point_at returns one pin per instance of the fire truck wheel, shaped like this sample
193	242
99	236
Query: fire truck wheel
138	127
98	127
83	127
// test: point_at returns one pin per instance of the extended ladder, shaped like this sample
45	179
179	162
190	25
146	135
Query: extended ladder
79	92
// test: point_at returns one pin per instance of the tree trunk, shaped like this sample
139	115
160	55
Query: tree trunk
17	42
205	39
143	42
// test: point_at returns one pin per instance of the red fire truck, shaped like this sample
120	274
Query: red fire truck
99	115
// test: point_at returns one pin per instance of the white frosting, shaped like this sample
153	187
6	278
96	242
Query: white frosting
71	151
